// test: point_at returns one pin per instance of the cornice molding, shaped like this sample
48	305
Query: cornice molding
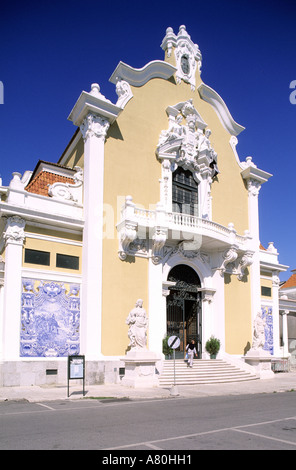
214	99
138	77
93	103
251	172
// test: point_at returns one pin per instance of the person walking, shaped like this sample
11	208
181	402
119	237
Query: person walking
191	351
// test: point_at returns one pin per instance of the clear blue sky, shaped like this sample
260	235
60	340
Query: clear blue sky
52	50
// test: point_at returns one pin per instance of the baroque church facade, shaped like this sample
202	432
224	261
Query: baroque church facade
150	201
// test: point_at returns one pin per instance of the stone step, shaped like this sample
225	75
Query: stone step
203	371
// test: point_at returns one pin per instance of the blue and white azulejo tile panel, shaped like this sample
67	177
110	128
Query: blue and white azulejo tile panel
50	318
268	317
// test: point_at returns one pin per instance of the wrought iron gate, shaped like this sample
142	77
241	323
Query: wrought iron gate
184	315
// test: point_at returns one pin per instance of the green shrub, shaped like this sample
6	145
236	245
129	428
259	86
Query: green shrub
213	345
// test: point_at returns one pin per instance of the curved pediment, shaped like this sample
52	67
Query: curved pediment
213	98
138	77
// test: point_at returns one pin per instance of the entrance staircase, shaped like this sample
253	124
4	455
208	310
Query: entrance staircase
204	371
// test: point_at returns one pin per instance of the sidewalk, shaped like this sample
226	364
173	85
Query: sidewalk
281	382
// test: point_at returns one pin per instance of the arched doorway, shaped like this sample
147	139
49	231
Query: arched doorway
184	312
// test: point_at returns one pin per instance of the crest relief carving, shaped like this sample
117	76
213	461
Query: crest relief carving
186	142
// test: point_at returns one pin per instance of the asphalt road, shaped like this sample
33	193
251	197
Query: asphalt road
241	422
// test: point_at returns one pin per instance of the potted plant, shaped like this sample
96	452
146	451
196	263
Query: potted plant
167	351
213	347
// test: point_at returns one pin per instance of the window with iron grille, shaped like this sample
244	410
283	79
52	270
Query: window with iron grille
184	192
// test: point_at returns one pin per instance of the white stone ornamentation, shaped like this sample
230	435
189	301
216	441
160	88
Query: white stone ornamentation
229	256
139	362
254	187
67	191
257	356
15	230
187	250
246	260
159	238
259	332
2	271
124	92
187	144
138	324
94	125
187	54
128	234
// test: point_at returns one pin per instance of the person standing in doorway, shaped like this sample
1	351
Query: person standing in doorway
191	351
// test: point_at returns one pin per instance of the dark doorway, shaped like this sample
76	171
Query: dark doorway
184	313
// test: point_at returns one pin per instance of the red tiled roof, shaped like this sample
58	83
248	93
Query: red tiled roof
291	282
39	184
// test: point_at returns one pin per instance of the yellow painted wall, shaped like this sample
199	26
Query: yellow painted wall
238	316
123	283
131	168
230	201
76	156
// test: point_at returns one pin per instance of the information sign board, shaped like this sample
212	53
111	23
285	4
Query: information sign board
76	369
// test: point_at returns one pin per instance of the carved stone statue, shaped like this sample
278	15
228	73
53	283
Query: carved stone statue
138	324
257	357
259	332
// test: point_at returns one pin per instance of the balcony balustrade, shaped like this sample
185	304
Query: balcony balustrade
164	227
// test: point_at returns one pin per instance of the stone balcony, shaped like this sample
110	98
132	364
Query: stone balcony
160	227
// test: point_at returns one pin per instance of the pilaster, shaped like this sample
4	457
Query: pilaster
2	264
253	192
285	314
14	237
94	129
157	308
254	178
275	313
93	113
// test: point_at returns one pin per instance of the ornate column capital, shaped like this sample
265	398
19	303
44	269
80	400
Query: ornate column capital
14	230
94	125
254	187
